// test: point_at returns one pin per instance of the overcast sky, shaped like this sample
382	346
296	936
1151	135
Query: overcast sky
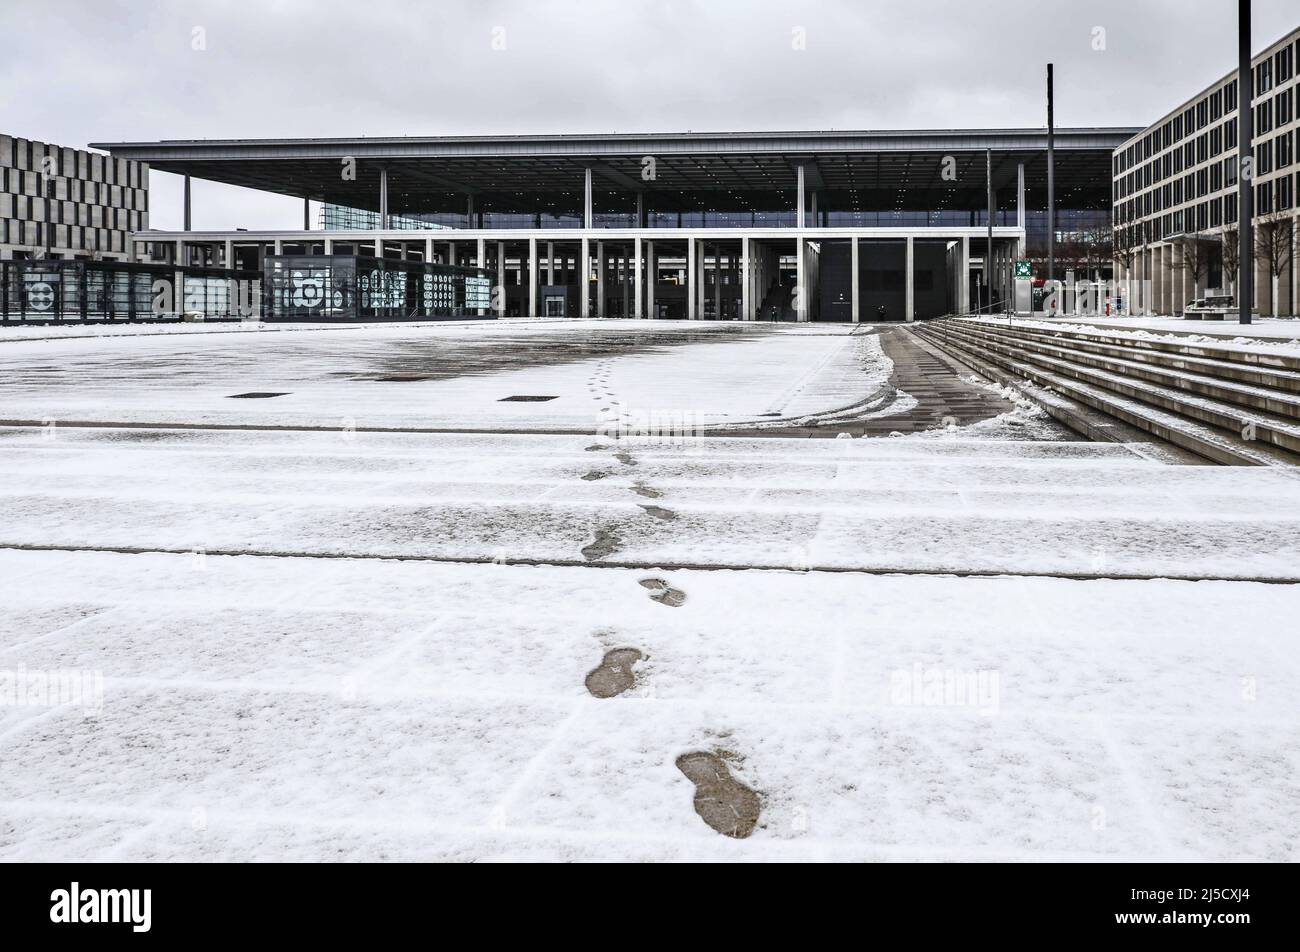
75	72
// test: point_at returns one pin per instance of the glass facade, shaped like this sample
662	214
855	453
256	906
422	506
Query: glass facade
54	291
353	288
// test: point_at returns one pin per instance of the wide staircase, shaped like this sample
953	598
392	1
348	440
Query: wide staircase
1228	404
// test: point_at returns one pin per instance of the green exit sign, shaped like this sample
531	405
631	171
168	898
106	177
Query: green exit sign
1024	269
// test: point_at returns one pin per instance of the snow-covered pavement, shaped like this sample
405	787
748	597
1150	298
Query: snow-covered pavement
339	643
306	709
452	376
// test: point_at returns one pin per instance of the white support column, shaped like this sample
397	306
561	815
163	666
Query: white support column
532	277
717	283
229	253
187	218
600	279
636	286
801	272
482	263
854	304
329	246
587	212
909	283
700	254
798	215
746	289
584	276
652	276
692	277
1020	195
550	262
500	289
963	277
428	251
383	200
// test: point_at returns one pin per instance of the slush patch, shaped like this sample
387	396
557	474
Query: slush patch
607	542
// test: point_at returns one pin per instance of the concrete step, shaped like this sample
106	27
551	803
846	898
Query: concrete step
1072	388
1204	381
1190	359
1254	425
1250	356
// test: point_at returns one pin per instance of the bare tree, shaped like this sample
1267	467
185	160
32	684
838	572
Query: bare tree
1194	253
1124	249
1231	254
1273	246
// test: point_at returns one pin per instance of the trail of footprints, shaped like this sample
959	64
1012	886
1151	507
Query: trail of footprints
607	539
723	802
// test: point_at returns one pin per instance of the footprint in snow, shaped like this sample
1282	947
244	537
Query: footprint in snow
614	675
723	802
663	593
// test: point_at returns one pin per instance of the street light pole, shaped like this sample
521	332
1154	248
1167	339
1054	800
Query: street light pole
1051	178
1245	189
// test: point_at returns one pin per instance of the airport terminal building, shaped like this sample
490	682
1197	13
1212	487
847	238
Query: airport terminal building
808	226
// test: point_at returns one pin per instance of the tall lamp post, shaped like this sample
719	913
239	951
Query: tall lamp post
1245	188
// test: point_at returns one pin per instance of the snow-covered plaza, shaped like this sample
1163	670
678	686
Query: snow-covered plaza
349	593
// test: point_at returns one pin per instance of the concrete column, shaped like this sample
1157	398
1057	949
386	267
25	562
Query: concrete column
600	279
550	262
801	274
798	216
500	289
428	251
855	309
532	277
188	221
279	246
624	276
718	282
637	284
1295	266
691	278
816	222
963	276
469	211
383	200
587	212
909	284
1020	195
746	284
229	252
584	275
652	275
701	253
482	253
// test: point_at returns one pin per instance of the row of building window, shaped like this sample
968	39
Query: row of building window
26	155
1276	195
17	182
31	234
1269	156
